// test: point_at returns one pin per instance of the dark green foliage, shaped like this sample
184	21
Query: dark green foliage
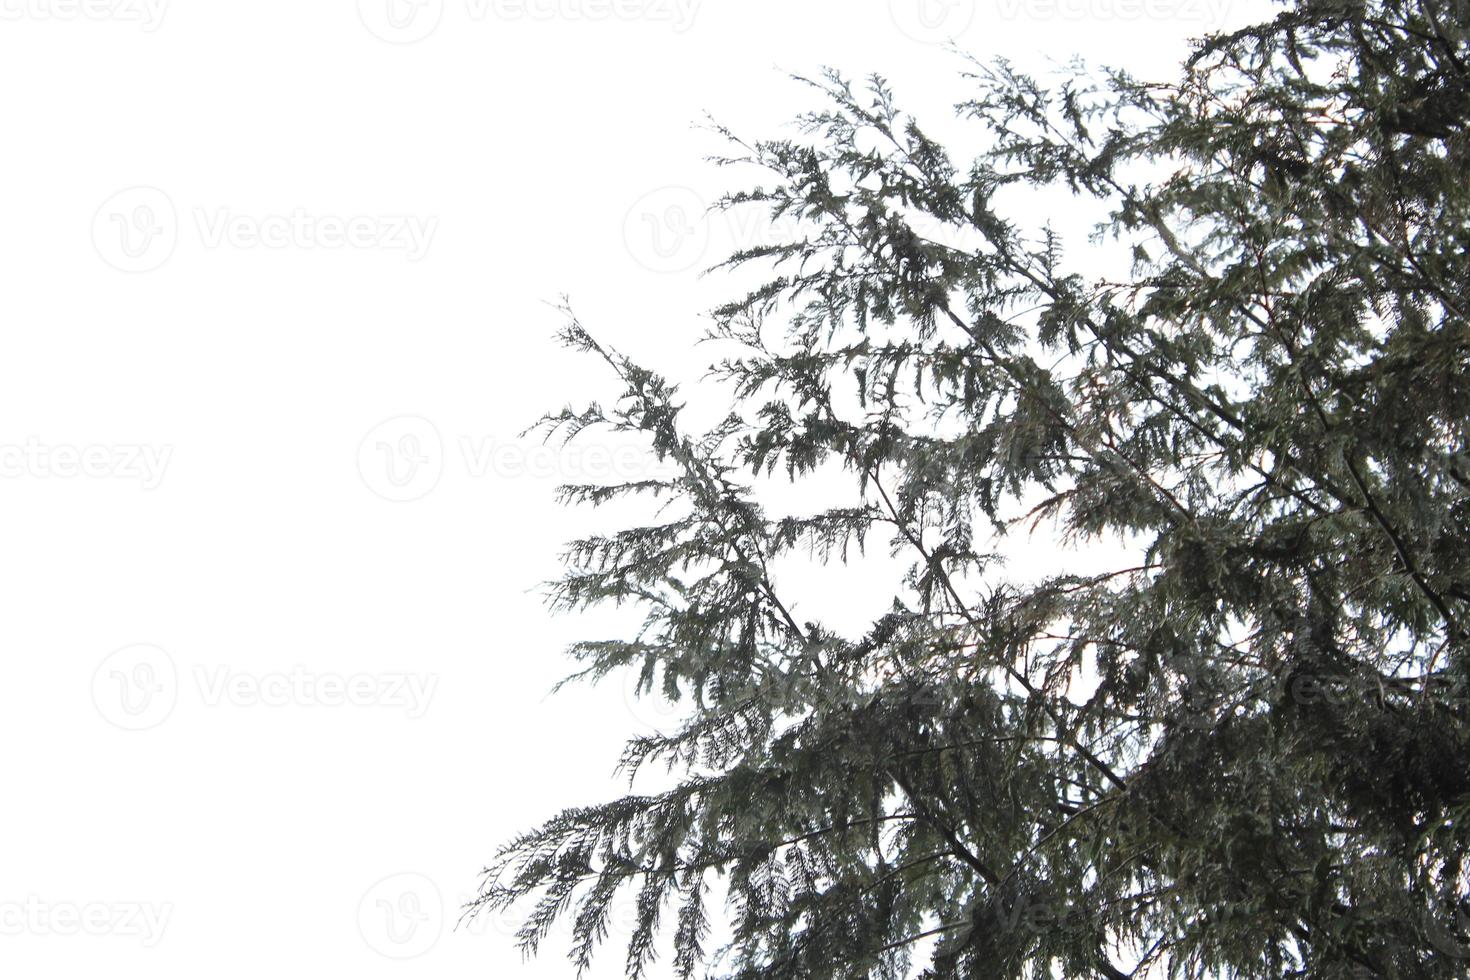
1243	752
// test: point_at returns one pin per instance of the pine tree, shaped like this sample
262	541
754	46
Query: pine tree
1244	751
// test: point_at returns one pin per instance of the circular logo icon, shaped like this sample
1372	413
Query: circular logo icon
136	687
932	21
1198	703
135	230
650	708
402	459
400	21
401	916
666	230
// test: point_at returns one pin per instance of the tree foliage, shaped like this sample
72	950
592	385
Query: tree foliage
1244	751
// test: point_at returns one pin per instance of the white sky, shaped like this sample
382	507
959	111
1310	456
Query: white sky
237	238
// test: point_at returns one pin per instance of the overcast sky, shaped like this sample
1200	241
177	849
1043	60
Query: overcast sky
274	312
